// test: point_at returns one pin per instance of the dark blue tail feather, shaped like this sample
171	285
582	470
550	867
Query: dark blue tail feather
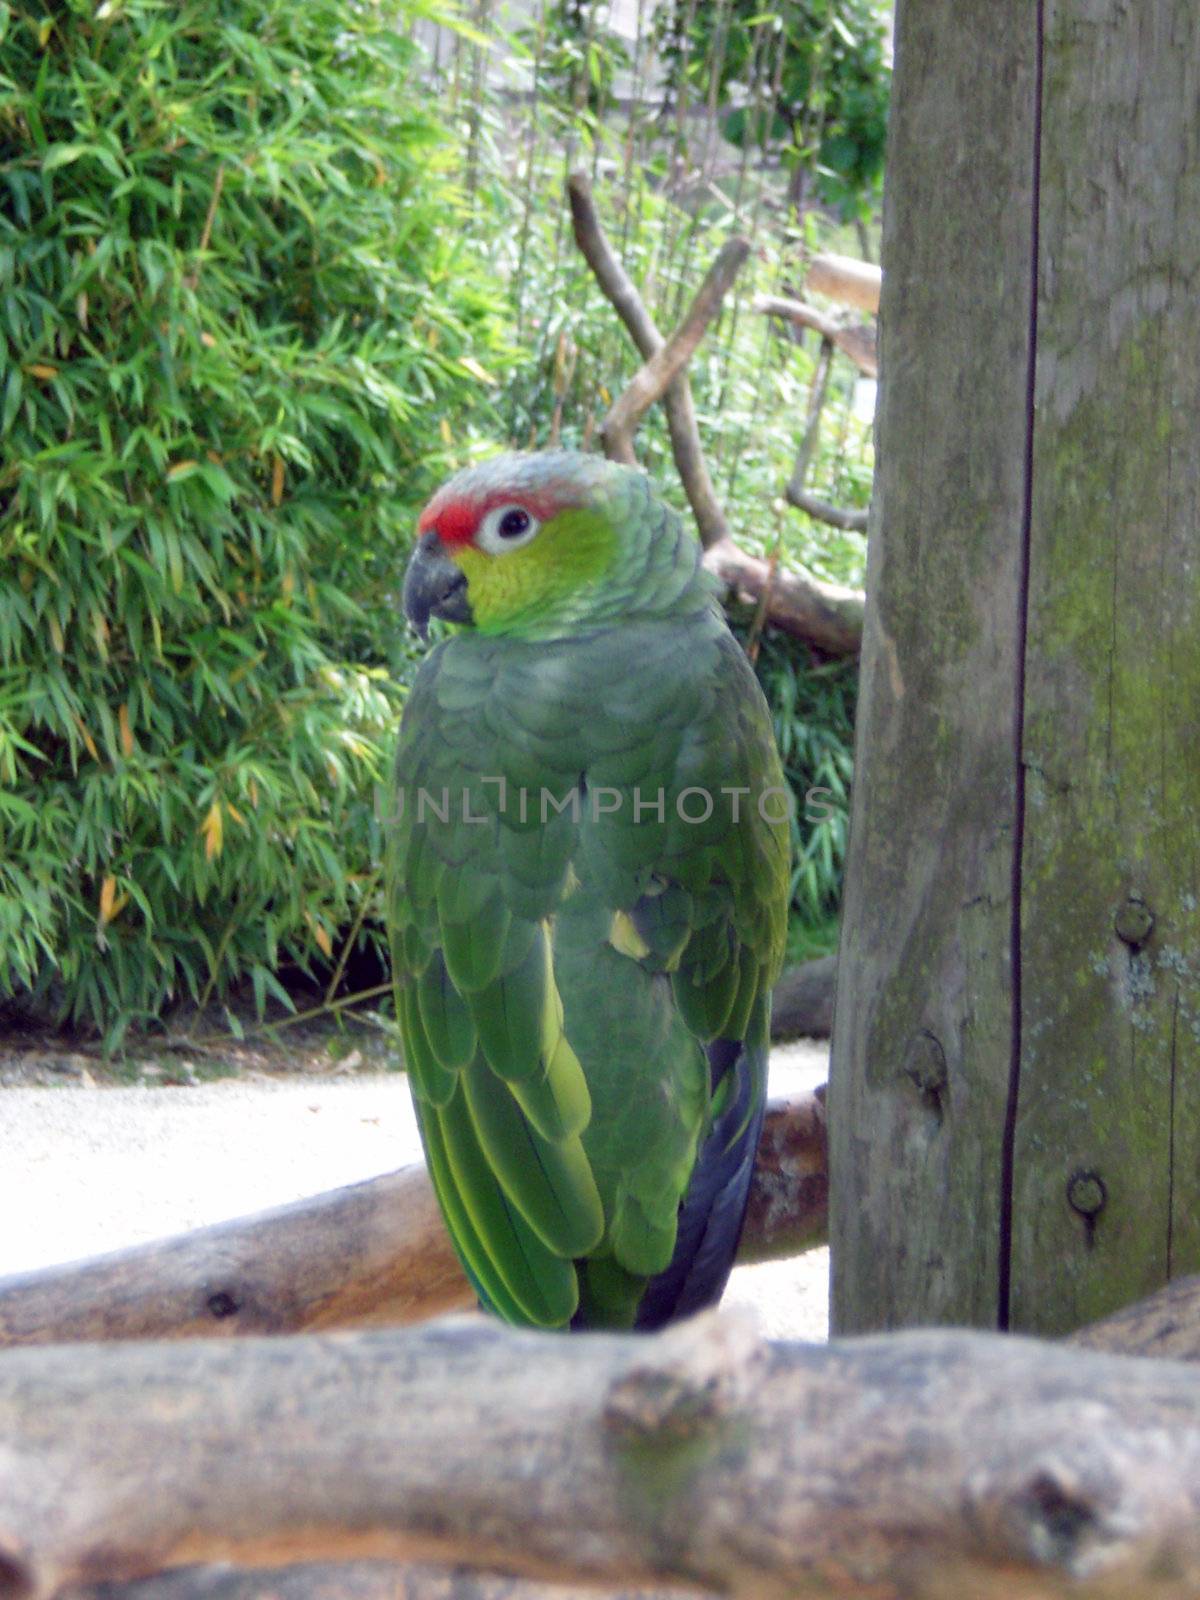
711	1216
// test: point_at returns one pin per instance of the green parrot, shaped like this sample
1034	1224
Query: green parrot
587	884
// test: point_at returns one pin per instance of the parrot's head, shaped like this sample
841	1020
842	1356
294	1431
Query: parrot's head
538	543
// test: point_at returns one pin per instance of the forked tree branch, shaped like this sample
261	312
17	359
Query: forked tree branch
656	375
825	614
922	1464
620	290
369	1255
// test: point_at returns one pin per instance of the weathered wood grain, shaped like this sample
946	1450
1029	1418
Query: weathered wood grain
1107	1156
919	1464
1016	1079
368	1254
922	1029
1166	1325
350	1580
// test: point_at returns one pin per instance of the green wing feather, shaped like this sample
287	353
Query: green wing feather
559	971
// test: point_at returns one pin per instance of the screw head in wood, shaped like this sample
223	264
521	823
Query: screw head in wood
1086	1193
1134	921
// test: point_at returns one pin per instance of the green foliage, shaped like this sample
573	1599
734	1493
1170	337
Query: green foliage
239	334
580	56
812	709
806	78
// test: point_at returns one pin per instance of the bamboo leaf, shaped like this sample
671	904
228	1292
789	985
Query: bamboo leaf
213	830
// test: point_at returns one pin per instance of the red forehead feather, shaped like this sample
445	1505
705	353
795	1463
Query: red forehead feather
455	519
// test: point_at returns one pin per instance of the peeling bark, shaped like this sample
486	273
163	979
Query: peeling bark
928	1464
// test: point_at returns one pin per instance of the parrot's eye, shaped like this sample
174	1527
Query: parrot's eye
506	528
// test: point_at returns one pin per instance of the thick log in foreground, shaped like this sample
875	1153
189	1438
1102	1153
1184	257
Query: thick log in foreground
351	1580
931	1464
372	1254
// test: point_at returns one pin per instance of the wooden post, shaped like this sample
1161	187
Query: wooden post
1015	1094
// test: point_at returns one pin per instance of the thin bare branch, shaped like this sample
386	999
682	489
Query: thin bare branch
193	278
652	380
852	339
615	283
852	519
620	290
810	438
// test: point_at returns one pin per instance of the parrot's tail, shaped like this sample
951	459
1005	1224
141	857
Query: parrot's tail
712	1212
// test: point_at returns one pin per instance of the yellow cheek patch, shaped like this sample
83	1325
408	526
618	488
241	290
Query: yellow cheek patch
569	552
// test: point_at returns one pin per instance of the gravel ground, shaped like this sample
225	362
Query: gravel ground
85	1169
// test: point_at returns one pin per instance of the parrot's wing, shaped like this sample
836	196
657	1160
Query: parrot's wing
500	1094
706	887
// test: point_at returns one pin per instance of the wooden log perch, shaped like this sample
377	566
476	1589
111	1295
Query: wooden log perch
848	281
852	339
828	615
1166	1325
924	1464
802	1003
369	1255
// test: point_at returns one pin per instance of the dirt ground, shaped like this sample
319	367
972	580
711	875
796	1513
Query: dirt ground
96	1157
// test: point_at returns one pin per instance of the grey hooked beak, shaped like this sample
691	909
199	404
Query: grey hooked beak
434	587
